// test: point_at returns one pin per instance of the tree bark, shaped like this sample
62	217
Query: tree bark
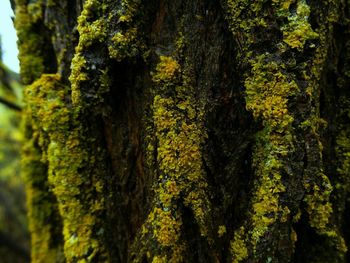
186	131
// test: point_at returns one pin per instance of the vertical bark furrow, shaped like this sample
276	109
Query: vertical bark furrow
109	47
61	18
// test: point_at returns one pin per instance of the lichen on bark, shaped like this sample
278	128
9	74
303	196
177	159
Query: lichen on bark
270	88
179	131
75	184
31	43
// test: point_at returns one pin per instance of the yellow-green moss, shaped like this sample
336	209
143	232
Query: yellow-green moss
94	29
239	249
128	10
283	7
30	43
266	209
158	259
319	189
343	148
179	133
319	207
222	231
79	193
41	206
343	155
126	43
298	30
267	93
268	89
166	70
36	11
245	16
89	32
343	151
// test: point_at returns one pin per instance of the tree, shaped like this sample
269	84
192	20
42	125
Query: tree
186	131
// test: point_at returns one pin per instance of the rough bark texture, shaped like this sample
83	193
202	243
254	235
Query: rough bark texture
186	131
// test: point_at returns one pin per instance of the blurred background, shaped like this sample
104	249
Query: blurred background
14	236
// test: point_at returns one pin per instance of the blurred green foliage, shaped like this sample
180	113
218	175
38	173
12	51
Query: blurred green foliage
14	237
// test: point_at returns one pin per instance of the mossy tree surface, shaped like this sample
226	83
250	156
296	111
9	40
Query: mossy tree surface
186	131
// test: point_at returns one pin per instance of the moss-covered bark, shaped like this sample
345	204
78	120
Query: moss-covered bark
186	131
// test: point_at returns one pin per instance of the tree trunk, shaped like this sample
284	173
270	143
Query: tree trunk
186	131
